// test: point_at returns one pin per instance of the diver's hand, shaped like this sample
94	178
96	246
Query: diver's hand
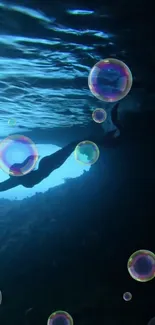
8	184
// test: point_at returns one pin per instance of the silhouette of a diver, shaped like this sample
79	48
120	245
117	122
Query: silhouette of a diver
48	164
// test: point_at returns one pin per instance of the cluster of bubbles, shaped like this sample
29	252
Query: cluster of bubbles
18	155
109	80
141	267
60	317
86	152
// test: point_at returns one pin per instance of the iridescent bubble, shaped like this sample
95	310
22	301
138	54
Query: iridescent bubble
110	80
141	265
99	115
86	152
12	122
18	155
127	296
151	321
60	317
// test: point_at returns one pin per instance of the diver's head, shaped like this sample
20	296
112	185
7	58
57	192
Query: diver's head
20	169
15	170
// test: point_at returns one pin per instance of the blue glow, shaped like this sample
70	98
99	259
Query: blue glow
80	12
70	169
27	11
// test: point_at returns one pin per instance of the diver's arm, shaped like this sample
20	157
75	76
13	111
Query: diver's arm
48	164
8	184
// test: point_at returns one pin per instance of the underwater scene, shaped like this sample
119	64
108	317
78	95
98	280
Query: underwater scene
77	176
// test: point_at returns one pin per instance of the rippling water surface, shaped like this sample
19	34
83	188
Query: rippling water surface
45	59
46	52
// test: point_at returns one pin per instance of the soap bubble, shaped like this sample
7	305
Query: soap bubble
60	318
141	265
18	155
99	115
110	80
12	122
127	296
86	152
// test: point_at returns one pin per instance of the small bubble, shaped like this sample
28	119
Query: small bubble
127	296
99	115
12	122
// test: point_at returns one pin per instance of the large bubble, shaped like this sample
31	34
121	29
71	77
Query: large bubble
86	152
110	80
99	115
127	296
60	318
18	155
141	265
